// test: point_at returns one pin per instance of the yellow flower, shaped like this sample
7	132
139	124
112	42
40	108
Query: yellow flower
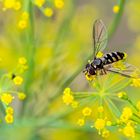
129	131
39	3
135	82
25	15
116	9
99	55
99	124
17	5
59	4
21	95
81	122
9	118
18	80
74	104
9	4
100	109
89	77
126	114
138	105
9	110
87	111
105	133
67	97
22	60
6	98
67	91
48	12
22	24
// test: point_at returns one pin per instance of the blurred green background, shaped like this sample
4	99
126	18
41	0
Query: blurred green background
57	48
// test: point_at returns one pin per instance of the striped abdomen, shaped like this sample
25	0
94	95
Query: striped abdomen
113	57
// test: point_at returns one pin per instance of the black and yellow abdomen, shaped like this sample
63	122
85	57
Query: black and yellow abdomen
113	57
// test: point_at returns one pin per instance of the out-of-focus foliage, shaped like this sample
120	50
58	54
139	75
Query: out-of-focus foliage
53	41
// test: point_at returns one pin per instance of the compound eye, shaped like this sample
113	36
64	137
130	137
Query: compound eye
97	62
87	65
91	71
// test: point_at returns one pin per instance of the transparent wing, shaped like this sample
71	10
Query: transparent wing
99	36
124	69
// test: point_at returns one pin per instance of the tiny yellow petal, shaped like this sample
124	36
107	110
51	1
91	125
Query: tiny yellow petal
48	12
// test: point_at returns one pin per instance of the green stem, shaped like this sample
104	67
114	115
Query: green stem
117	19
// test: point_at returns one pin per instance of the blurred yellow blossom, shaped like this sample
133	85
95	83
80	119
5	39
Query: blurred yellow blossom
39	3
67	96
22	24
135	82
9	118
9	4
21	95
48	12
25	15
99	124
18	80
105	133
7	98
116	8
22	60
17	5
74	104
126	114
87	111
81	122
100	109
129	131
9	110
59	4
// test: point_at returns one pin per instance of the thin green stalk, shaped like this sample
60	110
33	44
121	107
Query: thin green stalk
117	19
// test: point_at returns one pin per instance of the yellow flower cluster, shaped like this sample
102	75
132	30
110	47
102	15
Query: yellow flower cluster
11	4
22	64
135	82
126	114
100	124
7	98
23	22
9	115
68	98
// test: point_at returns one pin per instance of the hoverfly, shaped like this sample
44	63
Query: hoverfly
100	66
